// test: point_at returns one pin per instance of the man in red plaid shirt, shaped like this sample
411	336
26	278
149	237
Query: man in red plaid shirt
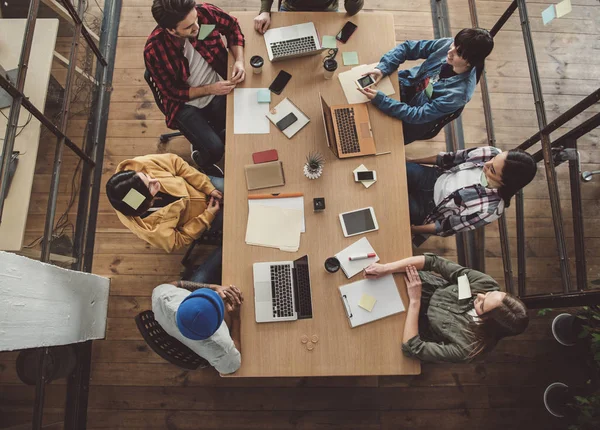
187	60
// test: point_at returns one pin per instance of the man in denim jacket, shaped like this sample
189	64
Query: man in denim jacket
441	85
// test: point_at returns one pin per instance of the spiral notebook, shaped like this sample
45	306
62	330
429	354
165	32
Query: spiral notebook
383	290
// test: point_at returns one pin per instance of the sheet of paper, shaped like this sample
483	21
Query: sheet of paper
249	116
283	202
367	302
464	288
563	8
205	30
348	82
274	227
362	168
351	268
548	14
350	58
264	96
329	42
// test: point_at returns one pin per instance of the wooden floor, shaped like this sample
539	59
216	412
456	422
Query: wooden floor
133	388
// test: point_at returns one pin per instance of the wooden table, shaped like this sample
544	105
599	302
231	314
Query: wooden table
274	349
14	218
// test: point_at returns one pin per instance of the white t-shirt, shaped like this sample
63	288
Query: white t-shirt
200	74
449	182
219	349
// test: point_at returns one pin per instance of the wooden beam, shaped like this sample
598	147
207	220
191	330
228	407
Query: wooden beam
65	62
63	13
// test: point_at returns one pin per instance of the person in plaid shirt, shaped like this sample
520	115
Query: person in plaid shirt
466	190
187	60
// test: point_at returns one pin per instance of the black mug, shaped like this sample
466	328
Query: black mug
257	62
330	66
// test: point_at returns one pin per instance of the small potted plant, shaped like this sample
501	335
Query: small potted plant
313	168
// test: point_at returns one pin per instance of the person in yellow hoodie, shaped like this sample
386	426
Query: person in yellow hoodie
165	201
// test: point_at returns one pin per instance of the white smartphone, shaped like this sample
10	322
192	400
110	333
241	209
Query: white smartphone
358	221
365	82
367	175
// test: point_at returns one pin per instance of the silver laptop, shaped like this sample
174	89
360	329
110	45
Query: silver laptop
282	291
292	41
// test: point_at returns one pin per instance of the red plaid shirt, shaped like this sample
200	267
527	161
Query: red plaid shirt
163	55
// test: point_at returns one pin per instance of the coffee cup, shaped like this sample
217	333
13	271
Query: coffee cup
257	62
330	66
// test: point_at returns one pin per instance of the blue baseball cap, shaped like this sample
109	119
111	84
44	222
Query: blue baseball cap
200	314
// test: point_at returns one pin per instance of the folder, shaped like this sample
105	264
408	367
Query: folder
264	175
282	200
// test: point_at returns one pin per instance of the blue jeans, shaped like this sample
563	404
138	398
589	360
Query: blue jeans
219	184
421	181
205	128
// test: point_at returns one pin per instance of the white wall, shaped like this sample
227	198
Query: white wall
45	305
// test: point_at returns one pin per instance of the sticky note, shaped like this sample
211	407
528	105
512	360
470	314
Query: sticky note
367	302
264	96
464	288
134	198
205	30
350	58
548	14
563	8
329	42
429	90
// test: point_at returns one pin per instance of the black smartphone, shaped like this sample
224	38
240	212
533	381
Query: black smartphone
346	32
280	82
365	176
286	121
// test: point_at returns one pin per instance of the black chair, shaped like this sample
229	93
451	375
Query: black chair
166	346
164	138
430	129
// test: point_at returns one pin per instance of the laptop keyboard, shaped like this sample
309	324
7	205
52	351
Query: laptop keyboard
303	287
289	47
347	130
281	290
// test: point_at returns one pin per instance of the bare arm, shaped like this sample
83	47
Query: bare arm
414	288
425	160
423	229
377	270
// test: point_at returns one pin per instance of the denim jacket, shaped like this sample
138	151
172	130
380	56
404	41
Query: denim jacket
449	94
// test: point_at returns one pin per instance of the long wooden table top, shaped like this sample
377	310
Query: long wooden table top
275	349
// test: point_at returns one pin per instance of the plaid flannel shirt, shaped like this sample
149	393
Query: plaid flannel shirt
163	55
470	207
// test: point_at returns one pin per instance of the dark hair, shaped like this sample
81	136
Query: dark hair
474	45
519	170
508	319
120	184
169	13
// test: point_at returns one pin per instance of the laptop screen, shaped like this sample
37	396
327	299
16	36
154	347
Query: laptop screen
329	130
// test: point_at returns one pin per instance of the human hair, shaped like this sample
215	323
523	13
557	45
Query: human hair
120	184
474	45
508	319
519	170
169	13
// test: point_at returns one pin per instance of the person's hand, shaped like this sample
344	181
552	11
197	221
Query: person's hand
238	73
413	284
213	206
236	295
369	92
230	294
217	195
376	74
233	309
375	270
221	88
262	22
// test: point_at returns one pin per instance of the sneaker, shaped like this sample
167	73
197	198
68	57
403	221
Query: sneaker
210	169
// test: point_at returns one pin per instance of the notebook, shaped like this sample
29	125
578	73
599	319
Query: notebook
284	108
383	290
264	175
351	268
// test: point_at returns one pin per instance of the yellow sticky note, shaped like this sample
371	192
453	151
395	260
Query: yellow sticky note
367	302
134	198
563	8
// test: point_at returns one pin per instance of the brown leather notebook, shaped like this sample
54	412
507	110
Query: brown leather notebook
264	175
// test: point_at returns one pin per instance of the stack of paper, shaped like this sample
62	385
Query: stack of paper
348	81
248	113
282	202
274	227
351	268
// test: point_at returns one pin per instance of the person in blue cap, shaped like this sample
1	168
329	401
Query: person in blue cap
207	320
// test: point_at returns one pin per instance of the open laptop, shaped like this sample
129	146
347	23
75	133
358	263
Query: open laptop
282	291
348	129
293	41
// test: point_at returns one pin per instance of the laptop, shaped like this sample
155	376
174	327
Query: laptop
293	41
282	291
348	129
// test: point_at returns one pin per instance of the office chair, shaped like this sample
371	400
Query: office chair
167	346
164	138
429	130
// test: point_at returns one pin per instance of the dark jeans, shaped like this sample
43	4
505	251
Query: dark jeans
421	180
209	272
205	129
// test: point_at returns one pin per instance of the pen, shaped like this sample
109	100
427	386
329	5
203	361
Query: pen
362	256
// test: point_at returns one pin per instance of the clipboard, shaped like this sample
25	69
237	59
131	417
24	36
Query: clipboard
282	200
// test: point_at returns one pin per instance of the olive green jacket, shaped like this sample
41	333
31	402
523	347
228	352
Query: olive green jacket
351	6
444	334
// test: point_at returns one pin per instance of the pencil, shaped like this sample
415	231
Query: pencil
274	196
383	153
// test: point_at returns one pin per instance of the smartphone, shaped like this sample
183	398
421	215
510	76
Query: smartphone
286	121
346	32
280	82
367	175
265	156
365	81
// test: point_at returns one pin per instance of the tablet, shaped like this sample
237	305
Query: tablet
358	221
